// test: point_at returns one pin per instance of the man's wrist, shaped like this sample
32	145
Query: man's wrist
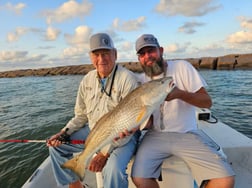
105	155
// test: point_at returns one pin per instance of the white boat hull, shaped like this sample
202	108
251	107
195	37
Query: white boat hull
175	174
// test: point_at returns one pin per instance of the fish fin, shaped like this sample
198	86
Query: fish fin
143	125
141	114
76	166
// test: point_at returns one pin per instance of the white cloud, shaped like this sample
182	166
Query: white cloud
189	27
79	42
126	52
19	56
247	24
130	25
11	37
14	36
17	8
68	10
176	48
12	56
126	46
52	33
243	36
186	7
20	31
240	37
80	38
73	51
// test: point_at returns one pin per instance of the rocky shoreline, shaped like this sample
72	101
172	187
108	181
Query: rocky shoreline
228	62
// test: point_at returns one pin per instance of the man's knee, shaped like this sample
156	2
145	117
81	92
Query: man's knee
136	181
226	182
145	182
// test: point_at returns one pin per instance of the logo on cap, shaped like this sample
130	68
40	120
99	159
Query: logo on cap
105	41
146	40
150	39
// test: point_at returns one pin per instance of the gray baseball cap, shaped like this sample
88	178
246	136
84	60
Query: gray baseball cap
146	40
101	41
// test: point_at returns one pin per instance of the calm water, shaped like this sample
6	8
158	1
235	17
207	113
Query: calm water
37	107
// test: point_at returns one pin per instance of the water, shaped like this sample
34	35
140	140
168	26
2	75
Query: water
37	107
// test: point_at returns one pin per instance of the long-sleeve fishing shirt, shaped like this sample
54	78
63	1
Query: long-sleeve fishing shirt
94	100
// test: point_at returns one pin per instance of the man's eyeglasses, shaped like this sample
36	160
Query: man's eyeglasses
142	53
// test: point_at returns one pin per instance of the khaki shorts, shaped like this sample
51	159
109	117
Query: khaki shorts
198	151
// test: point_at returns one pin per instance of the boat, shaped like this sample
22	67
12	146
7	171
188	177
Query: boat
175	174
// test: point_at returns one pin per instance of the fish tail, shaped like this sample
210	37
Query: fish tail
77	166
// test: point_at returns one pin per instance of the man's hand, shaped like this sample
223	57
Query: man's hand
125	133
175	93
98	162
58	139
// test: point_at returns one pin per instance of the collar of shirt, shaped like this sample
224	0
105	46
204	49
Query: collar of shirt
106	82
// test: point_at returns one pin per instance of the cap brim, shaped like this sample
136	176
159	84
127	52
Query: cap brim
146	45
101	48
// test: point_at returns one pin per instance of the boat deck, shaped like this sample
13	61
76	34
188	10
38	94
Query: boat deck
236	146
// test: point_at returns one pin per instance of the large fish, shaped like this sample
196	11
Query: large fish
133	111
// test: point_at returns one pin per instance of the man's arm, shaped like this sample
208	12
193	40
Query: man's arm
199	99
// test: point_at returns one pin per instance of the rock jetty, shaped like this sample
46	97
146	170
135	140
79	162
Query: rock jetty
228	62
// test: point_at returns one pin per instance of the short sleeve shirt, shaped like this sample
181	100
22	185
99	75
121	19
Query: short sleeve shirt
179	116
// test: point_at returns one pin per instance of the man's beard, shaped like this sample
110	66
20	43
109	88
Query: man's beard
155	69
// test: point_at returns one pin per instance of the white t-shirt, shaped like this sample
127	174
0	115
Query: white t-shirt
178	116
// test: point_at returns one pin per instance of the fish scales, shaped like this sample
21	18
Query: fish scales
131	112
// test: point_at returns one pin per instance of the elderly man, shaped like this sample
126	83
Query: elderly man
99	92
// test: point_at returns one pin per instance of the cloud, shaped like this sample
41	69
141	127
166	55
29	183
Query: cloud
126	46
130	25
79	41
240	37
73	51
46	47
126	52
12	55
215	48
176	48
80	37
20	31
52	34
14	36
17	8
246	23
243	36
19	56
186	8
11	37
49	34
189	27
68	10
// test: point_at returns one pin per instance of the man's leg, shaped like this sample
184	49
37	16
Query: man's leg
226	182
114	171
59	155
76	184
145	182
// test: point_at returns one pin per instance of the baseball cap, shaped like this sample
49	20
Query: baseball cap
101	41
146	40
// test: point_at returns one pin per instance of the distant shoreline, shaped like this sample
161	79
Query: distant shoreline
228	62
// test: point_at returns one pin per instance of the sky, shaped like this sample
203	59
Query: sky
51	33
